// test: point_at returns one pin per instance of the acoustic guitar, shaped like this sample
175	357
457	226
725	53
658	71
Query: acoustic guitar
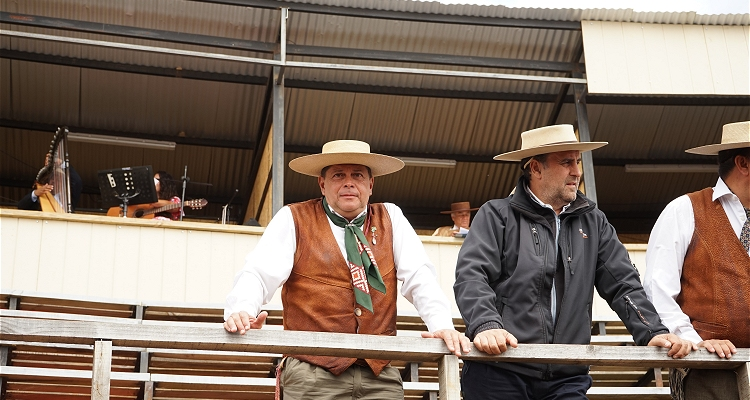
146	212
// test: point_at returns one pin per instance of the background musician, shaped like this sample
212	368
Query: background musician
166	191
31	200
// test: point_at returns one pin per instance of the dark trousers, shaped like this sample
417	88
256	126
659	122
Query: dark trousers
481	381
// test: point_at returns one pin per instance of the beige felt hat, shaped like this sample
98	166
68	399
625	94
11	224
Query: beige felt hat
458	207
346	152
733	136
548	139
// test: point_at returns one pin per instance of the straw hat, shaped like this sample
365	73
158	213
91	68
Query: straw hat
346	152
733	136
548	139
458	207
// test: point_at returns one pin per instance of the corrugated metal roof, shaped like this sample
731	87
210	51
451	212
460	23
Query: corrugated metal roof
169	107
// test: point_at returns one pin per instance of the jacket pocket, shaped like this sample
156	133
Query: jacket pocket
536	239
632	306
501	306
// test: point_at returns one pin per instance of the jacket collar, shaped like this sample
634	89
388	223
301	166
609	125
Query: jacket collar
521	200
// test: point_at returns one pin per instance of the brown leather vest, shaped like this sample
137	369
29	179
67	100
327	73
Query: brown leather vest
716	275
318	295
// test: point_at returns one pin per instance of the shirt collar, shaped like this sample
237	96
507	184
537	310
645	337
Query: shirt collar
358	215
721	189
541	203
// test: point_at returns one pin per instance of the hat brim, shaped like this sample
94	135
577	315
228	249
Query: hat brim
461	210
379	164
519	155
714	149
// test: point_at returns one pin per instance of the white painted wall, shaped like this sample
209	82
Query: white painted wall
158	261
641	58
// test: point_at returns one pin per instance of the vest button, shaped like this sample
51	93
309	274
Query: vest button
357	312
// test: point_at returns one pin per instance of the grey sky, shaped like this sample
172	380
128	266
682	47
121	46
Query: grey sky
699	6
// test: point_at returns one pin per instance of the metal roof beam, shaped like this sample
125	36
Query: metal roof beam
739	101
430	58
43	127
134	32
132	68
402	15
297	50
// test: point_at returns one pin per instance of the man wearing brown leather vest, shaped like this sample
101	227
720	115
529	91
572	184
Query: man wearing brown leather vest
698	267
339	260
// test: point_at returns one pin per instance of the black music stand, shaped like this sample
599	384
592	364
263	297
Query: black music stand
129	185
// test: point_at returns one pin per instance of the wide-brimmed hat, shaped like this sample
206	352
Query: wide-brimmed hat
346	152
548	139
733	136
458	207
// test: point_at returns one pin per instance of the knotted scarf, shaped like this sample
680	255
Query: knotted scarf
359	257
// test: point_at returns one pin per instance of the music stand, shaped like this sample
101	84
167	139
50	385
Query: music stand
129	185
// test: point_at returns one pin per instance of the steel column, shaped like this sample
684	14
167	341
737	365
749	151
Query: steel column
582	120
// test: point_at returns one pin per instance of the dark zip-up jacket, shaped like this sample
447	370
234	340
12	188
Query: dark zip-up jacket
505	271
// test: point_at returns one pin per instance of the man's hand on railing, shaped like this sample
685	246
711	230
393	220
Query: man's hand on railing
678	348
494	341
455	340
722	348
243	322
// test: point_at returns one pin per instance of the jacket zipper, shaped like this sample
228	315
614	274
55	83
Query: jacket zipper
537	245
635	308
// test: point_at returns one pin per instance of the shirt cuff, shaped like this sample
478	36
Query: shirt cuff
34	197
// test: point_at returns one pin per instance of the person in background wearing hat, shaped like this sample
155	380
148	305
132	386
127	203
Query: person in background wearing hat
527	270
339	259
461	215
698	267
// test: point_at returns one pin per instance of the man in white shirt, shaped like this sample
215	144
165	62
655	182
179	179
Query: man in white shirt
698	267
352	290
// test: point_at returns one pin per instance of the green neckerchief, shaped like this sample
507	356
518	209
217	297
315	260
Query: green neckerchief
359	257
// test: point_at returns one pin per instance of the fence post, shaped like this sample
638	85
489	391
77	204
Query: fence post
102	370
448	379
743	381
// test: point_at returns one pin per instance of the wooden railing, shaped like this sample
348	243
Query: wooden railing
103	335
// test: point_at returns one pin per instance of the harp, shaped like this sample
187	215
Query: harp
56	173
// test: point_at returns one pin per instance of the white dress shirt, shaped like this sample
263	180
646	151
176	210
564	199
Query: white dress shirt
269	265
666	251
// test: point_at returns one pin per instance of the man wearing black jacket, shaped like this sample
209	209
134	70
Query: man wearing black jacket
527	270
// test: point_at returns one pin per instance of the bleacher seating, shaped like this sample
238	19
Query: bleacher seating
45	370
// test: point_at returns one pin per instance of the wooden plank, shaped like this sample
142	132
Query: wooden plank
743	380
214	337
75	268
54	241
12	371
96	219
718	55
698	60
677	57
199	269
8	243
151	256
100	379
102	249
614	52
174	267
450	384
126	255
596	62
656	57
27	254
634	54
738	51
